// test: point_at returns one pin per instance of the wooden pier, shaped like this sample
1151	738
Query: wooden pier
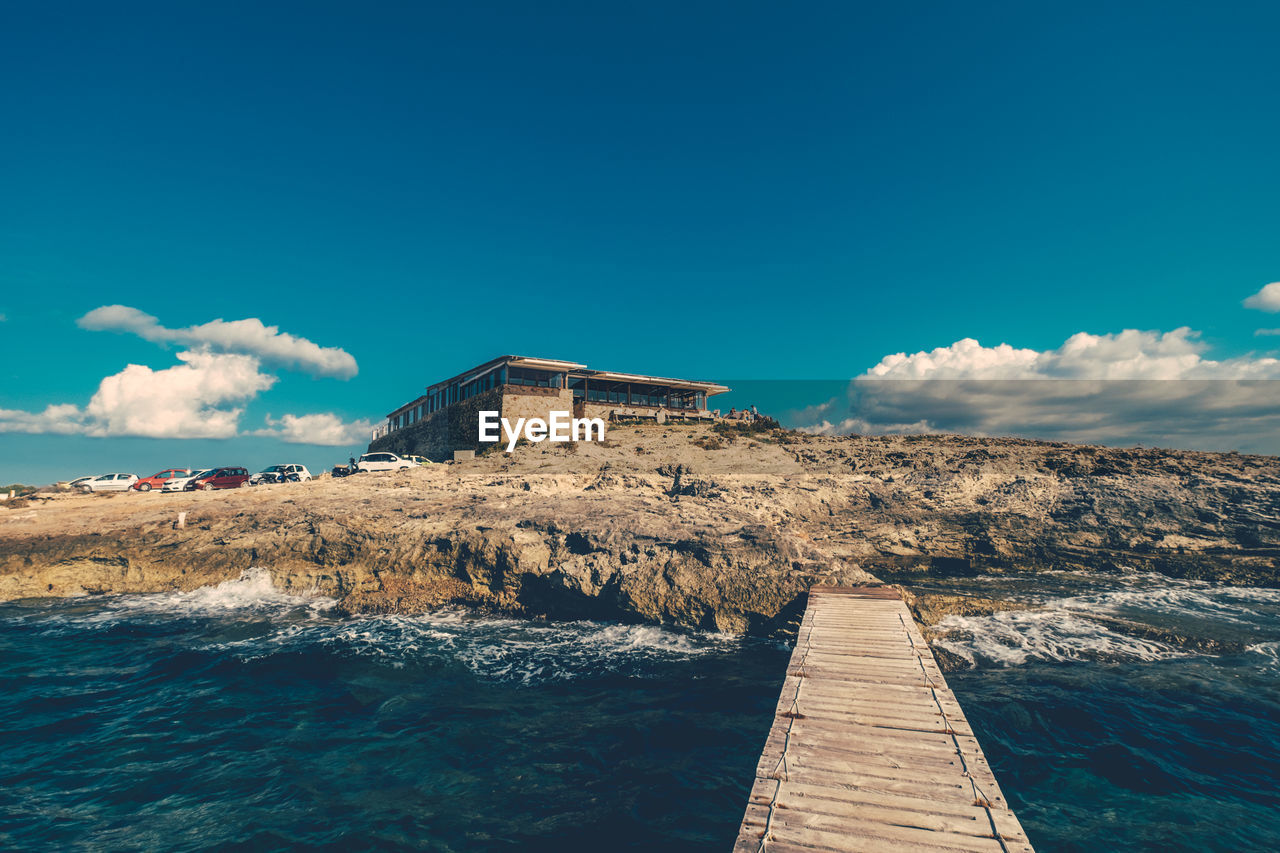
869	750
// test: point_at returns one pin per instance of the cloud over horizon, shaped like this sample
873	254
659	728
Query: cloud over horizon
1129	354
188	400
325	429
1127	387
204	395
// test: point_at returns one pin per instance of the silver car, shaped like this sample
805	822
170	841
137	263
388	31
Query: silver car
109	483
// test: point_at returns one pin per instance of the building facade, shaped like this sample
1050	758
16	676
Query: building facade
446	417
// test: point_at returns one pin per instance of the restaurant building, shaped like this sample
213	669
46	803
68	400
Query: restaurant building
445	418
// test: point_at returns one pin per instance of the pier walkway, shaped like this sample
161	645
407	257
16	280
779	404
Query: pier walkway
869	750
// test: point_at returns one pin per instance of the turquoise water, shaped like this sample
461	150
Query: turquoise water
1103	740
239	718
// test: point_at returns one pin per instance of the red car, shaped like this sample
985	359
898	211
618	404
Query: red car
157	481
220	478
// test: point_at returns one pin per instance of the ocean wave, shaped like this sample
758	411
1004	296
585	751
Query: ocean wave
250	619
252	594
1060	629
253	590
1269	652
492	648
1013	637
1238	605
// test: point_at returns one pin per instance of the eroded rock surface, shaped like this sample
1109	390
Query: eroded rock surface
674	526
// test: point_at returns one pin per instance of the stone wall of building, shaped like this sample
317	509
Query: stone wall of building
521	401
436	436
457	426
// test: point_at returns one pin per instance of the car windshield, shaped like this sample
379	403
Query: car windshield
273	469
204	473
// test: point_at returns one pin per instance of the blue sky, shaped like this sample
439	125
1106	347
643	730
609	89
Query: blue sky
729	191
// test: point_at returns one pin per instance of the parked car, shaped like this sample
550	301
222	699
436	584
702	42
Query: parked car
417	460
109	483
79	481
219	478
178	484
158	480
382	462
281	473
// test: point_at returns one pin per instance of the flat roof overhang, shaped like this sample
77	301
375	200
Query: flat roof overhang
515	360
571	367
709	388
408	406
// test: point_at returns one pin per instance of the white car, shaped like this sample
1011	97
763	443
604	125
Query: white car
382	462
177	484
109	483
273	473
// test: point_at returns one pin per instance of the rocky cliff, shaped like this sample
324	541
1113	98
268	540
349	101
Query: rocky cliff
675	525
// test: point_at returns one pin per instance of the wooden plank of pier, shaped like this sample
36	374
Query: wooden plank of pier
869	749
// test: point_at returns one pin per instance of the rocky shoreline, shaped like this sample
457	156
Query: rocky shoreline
678	526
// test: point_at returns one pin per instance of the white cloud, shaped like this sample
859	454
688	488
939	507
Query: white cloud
324	429
1130	354
963	358
61	419
1267	299
1122	388
121	318
188	400
202	396
184	401
251	337
194	399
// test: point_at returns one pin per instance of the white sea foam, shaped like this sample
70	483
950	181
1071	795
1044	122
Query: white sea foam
1013	637
252	594
492	648
1269	652
1059	629
253	590
1239	605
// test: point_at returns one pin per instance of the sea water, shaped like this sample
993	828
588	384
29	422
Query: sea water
240	718
1106	739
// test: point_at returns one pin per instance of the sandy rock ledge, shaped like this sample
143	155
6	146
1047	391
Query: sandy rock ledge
652	527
